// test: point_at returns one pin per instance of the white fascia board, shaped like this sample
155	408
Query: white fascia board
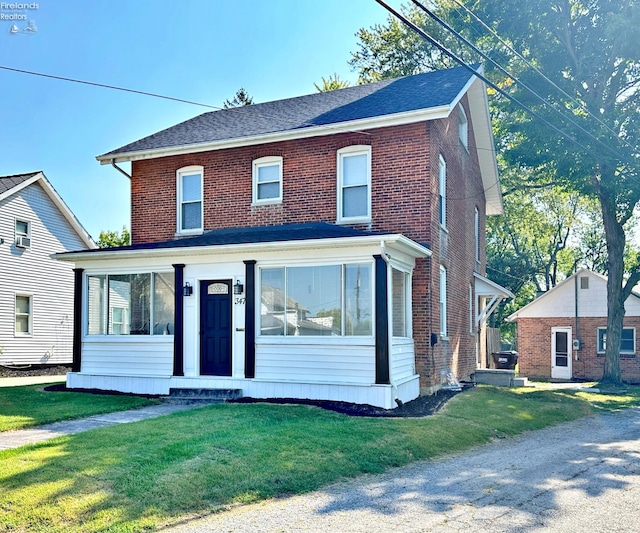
393	241
66	212
397	119
486	287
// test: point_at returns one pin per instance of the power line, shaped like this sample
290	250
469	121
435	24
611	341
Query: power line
581	105
511	76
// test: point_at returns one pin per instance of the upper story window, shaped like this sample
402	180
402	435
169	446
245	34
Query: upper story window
476	228
354	184
442	188
463	127
189	195
267	180
23	234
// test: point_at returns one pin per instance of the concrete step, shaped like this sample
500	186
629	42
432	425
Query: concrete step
189	396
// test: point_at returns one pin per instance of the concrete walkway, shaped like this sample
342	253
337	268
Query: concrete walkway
31	380
14	439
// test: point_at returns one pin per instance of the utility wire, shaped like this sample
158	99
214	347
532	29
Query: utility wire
580	104
460	37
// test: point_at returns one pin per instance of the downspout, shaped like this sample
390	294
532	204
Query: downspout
576	336
394	387
113	164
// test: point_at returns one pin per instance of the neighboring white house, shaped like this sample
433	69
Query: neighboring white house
36	291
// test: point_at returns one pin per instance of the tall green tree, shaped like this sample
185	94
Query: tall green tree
111	239
590	51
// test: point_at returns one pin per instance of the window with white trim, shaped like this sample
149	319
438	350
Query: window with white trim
627	341
320	301
476	229
23	315
131	304
354	184
399	284
189	196
23	228
463	127
472	318
443	302
442	191
267	180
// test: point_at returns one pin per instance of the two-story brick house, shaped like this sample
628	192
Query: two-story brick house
329	246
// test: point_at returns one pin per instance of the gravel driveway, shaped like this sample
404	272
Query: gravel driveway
581	476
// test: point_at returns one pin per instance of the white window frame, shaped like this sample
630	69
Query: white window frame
476	228
21	233
601	349
443	302
472	320
268	161
341	155
442	191
463	127
193	169
407	318
29	315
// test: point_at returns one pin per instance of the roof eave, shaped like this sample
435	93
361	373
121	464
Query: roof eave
395	241
396	119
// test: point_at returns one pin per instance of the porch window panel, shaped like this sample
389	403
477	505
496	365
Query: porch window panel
163	303
358	300
96	317
314	303
272	301
129	297
399	303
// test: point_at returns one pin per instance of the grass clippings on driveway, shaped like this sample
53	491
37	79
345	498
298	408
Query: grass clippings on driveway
26	407
143	475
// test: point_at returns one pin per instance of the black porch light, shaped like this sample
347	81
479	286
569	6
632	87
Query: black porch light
187	290
238	288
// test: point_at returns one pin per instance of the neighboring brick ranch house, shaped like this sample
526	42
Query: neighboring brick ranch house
36	291
329	246
562	334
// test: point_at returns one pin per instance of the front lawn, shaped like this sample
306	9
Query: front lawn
25	407
140	476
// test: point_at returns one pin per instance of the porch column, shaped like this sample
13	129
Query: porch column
178	327
76	365
250	320
382	322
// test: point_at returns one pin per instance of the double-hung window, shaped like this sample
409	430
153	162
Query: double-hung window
189	194
23	315
354	184
627	341
267	180
443	302
442	191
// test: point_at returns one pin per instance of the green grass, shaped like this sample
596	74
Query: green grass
140	476
25	407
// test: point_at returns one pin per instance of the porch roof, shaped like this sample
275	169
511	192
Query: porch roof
286	235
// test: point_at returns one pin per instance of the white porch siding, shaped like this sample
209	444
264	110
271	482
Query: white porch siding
402	359
316	363
149	358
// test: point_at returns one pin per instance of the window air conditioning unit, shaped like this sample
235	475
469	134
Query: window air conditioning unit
23	242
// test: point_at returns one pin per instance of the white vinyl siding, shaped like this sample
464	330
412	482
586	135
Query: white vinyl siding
129	356
189	184
463	127
354	184
34	272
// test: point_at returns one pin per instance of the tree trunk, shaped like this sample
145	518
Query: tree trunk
615	237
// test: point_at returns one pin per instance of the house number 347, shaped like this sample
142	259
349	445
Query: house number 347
240	301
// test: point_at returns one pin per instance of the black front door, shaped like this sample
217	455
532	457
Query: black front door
215	328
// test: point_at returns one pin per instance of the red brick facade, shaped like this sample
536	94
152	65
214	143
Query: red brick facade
534	348
404	198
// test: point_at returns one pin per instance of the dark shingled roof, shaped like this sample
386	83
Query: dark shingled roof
252	235
9	182
389	97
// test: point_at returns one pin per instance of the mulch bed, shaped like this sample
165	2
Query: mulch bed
47	370
420	407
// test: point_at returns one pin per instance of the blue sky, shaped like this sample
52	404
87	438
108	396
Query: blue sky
199	50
